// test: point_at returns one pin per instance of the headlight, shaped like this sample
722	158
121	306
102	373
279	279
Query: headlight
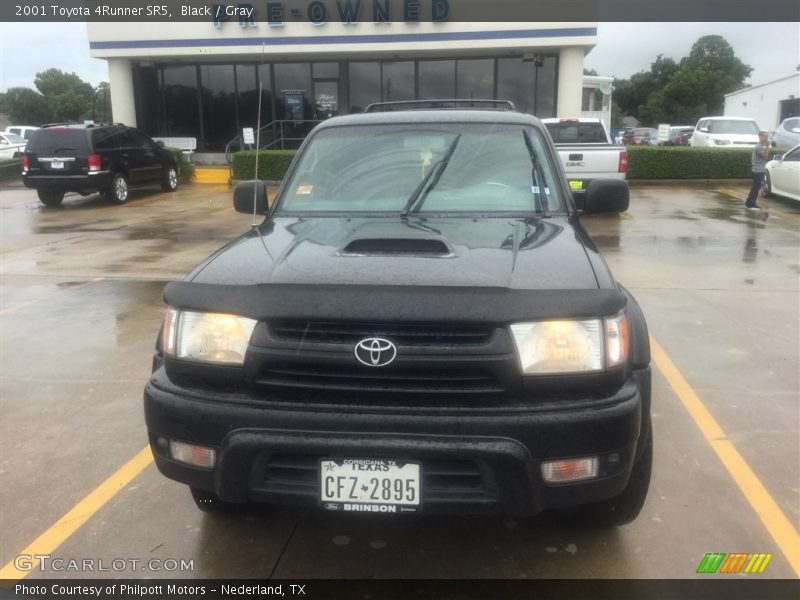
207	337
558	347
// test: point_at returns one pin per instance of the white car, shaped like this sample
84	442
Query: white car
11	145
23	131
725	132
783	176
787	134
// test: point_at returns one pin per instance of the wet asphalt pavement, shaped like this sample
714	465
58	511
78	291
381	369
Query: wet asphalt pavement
81	304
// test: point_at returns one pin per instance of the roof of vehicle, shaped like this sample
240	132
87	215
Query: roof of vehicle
402	117
571	120
79	125
727	119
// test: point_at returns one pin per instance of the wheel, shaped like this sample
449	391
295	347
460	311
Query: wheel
118	190
766	187
624	507
50	197
210	502
170	181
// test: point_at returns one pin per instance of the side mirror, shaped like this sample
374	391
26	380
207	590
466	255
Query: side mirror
704	129
243	196
160	143
606	196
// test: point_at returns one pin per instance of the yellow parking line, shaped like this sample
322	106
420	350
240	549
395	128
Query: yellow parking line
80	513
14	308
778	526
223	211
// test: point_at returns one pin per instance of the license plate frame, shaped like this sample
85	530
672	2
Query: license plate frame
339	492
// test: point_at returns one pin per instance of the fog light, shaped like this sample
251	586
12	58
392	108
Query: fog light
197	456
576	469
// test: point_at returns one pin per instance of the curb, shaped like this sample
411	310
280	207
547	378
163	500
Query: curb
693	183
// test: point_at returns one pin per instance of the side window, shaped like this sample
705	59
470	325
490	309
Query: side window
124	139
702	124
14	130
792	123
140	140
103	139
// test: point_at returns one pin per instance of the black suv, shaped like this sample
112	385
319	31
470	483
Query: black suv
420	323
94	158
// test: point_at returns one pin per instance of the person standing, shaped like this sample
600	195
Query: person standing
758	168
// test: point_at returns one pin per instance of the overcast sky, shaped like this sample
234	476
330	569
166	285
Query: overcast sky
772	49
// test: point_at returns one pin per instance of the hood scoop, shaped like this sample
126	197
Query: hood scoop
397	247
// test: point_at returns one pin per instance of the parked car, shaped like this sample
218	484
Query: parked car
586	152
679	135
23	131
725	132
783	176
787	134
11	146
94	158
420	324
640	136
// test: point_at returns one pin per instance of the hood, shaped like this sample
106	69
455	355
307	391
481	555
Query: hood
518	254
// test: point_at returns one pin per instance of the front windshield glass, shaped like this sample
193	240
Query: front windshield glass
424	169
734	127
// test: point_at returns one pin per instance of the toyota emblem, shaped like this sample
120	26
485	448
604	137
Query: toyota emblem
375	352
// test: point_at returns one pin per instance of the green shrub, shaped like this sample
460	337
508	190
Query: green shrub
10	169
683	162
272	164
185	168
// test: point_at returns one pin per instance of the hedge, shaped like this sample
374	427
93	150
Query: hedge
682	162
10	169
272	164
185	168
644	162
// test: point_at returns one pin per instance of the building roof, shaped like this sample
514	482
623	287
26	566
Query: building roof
752	87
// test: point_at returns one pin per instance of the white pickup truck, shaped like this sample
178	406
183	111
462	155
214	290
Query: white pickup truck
586	151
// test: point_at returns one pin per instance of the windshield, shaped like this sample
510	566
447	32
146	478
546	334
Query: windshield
424	169
13	138
740	127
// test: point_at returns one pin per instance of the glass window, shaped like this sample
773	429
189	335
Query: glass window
531	85
572	132
147	100
103	139
180	101
219	105
398	81
247	97
365	85
293	91
378	169
475	79
326	70
736	127
326	99
544	78
437	79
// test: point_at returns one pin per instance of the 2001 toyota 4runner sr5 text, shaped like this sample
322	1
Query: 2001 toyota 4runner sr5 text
420	324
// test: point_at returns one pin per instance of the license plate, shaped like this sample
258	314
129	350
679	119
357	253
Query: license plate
576	185
370	485
56	164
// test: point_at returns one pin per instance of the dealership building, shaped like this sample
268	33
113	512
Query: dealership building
201	79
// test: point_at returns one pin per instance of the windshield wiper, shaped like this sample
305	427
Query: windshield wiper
537	197
433	176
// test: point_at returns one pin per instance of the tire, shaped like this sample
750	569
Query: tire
626	506
118	190
210	503
766	187
169	183
50	197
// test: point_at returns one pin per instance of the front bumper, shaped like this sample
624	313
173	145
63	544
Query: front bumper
473	461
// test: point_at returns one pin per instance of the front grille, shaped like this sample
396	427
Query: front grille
451	479
312	377
313	332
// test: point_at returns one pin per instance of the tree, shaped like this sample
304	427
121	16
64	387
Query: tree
24	106
69	98
101	103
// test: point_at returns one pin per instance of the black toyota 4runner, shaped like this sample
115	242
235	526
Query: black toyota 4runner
420	324
95	158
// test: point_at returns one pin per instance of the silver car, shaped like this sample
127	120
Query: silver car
787	134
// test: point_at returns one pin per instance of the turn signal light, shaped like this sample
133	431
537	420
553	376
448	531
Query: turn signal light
197	456
565	471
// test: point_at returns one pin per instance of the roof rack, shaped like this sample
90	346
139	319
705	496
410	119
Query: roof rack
454	104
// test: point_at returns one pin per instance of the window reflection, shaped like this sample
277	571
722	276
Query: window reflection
181	112
398	81
218	95
365	85
437	79
476	79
